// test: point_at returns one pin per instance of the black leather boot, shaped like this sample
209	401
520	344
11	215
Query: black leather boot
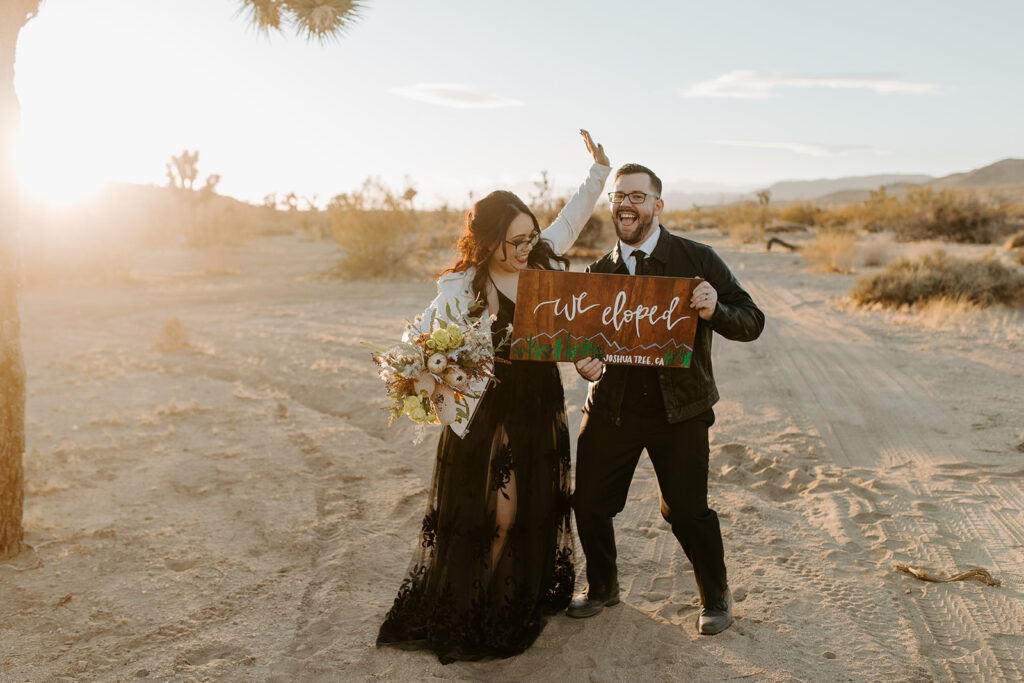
716	617
589	603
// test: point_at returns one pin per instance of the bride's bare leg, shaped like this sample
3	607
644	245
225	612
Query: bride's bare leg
505	517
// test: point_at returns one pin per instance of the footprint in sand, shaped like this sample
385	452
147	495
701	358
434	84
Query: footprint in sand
180	565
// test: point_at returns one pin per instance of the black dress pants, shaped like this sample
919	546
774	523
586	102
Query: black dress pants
606	457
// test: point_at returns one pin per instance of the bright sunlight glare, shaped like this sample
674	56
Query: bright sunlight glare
52	174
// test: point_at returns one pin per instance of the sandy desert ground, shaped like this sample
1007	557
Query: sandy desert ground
236	510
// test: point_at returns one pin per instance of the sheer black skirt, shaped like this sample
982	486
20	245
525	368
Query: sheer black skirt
496	545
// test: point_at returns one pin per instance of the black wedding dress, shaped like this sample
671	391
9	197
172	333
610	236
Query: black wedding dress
496	547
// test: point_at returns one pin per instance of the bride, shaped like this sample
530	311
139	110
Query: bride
496	545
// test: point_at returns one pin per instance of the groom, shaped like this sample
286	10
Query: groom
666	411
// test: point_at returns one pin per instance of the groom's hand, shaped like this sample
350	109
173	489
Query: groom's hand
590	369
704	299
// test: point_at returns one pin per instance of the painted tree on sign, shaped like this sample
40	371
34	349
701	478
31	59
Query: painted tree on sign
319	20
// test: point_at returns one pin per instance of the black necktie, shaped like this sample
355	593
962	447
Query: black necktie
641	262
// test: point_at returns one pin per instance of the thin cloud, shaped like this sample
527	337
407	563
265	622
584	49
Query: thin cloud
455	95
801	147
753	85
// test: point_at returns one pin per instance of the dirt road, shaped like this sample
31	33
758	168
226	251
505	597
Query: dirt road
238	511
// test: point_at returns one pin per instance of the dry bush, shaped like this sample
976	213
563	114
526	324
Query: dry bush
924	213
681	220
597	237
802	213
744	222
723	217
746	233
939	276
950	215
597	234
747	213
442	226
832	251
378	231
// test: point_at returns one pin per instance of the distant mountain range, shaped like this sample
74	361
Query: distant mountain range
1007	172
148	209
1006	176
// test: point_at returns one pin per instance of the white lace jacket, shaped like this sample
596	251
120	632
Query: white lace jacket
455	289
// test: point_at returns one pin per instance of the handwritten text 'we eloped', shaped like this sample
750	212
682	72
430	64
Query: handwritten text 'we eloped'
617	314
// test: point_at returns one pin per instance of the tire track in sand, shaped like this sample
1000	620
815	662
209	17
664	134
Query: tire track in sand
871	413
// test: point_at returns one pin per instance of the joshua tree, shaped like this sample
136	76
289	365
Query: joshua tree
182	173
314	19
764	199
183	170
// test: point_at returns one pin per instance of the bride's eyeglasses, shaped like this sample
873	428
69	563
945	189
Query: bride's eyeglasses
523	245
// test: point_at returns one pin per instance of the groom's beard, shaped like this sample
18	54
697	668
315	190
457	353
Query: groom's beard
636	233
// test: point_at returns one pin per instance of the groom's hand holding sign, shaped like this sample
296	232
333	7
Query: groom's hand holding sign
704	300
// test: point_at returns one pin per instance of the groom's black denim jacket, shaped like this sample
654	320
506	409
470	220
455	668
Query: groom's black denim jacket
687	392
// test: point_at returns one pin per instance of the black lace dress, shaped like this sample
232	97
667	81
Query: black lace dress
496	548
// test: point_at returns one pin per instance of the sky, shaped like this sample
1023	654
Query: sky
466	96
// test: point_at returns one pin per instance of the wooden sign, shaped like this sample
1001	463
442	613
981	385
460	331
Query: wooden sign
621	319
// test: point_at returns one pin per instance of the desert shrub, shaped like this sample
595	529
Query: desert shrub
742	220
803	213
924	213
939	276
597	234
676	220
746	213
377	230
832	251
746	233
441	227
681	220
880	211
950	215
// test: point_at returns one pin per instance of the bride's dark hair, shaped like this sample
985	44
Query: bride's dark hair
484	232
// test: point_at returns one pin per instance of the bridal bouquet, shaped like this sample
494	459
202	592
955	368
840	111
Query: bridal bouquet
429	376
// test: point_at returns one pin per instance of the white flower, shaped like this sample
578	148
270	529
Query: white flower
424	384
437	363
456	377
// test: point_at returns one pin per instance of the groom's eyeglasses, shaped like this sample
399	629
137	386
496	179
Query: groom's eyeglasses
634	197
523	245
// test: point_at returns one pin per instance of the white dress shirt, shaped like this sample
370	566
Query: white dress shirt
647	247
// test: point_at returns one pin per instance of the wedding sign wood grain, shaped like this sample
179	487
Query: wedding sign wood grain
621	319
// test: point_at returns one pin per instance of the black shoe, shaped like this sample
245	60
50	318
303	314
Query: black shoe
587	605
716	617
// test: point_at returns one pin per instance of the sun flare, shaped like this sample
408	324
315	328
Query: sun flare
54	175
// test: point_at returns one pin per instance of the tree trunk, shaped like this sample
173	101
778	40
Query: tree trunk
13	15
